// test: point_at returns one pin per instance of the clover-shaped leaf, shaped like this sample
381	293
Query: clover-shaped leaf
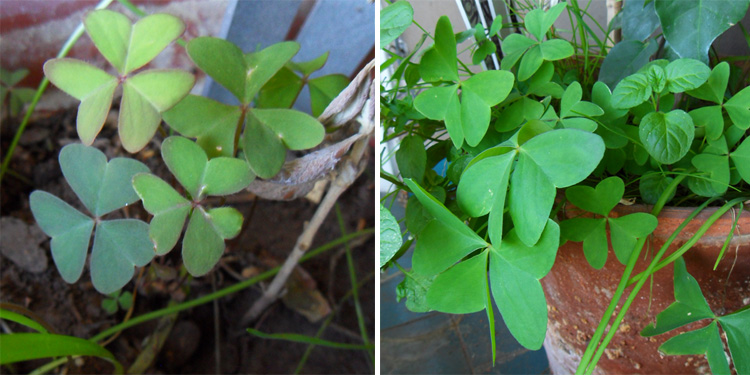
439	62
515	270
242	74
126	46
119	245
538	22
469	117
558	158
19	96
624	230
207	229
690	306
145	95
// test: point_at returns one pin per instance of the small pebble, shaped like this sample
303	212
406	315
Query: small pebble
20	243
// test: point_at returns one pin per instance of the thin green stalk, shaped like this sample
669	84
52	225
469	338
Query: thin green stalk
328	321
594	343
354	290
307	339
205	299
40	90
223	292
655	266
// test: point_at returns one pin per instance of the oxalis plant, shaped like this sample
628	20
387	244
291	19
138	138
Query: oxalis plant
482	156
204	167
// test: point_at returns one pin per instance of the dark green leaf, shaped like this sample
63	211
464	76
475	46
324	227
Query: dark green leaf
631	91
221	60
624	59
600	200
686	74
691	26
653	185
211	122
737	327
411	158
639	21
713	89
625	231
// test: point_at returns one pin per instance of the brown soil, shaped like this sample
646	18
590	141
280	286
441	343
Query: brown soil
270	233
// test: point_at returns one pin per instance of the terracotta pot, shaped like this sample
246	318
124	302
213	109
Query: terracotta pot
578	295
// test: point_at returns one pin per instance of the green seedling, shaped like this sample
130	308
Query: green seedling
103	187
207	228
17	96
145	95
218	127
117	300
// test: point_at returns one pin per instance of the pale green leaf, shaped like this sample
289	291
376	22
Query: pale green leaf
119	246
169	208
110	32
686	74
149	36
394	20
227	221
324	89
439	62
186	161
224	176
440	246
631	91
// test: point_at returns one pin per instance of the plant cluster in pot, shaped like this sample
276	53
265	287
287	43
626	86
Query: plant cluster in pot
631	284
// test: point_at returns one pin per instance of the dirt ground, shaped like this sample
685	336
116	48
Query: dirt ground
28	276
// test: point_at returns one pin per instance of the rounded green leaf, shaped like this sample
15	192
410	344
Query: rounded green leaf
442	104
70	231
686	74
631	91
738	109
390	236
535	260
119	246
102	187
202	246
298	130
556	49
520	299
482	184
567	156
89	84
110	32
714	179
150	35
538	22
186	161
462	289
261	66
667	136
653	185
411	158
221	60
169	208
225	176
531	197
624	59
264	151
530	63
738	337
162	88
394	20
211	122
227	221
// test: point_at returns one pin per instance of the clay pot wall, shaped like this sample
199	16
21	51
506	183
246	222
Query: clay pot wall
578	295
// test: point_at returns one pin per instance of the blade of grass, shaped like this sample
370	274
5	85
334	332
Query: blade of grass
294	337
327	322
353	278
